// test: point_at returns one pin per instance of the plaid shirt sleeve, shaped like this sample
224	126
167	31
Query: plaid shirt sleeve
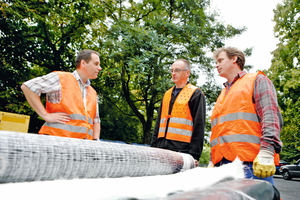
267	109
49	84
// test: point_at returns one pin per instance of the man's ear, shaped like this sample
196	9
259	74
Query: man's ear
188	73
82	63
234	59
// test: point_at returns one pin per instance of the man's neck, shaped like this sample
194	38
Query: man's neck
231	77
181	85
83	78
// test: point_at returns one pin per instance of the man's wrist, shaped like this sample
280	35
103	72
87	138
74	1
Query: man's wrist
266	153
265	157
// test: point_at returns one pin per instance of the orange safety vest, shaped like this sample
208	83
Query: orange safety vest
180	126
276	159
235	126
81	125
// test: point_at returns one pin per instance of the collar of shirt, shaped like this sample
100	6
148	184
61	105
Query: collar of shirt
177	90
228	85
239	75
76	75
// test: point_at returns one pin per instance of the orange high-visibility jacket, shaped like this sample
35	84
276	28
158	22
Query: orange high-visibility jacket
180	126
81	125
235	126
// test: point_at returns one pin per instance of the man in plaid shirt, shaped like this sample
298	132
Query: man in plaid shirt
246	120
71	108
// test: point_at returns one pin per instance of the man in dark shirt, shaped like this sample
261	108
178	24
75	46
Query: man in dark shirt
181	119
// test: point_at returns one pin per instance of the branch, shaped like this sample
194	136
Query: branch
125	89
150	11
48	39
111	12
118	107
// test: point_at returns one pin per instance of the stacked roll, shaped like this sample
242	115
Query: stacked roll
32	157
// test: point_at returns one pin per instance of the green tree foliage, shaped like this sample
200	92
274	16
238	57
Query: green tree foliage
142	40
284	73
137	40
38	37
204	159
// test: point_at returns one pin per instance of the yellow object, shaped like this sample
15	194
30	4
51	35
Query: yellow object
263	166
14	122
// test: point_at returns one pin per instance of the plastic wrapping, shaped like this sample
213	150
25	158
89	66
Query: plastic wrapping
41	167
241	189
124	188
33	157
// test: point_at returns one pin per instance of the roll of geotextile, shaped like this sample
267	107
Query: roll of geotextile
33	157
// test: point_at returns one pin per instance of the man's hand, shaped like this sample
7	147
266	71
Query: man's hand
35	101
263	164
57	117
196	163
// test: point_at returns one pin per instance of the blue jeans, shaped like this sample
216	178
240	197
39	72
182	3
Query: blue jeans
248	170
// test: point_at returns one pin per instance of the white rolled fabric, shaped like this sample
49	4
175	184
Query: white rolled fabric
33	157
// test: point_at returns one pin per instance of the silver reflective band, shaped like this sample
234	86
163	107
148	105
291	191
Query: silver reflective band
214	122
67	127
161	130
162	120
178	121
236	138
239	115
179	131
214	142
81	117
90	132
235	116
90	121
181	121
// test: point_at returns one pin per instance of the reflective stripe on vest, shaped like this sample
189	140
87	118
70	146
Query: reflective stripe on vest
81	117
72	128
180	124
235	116
178	121
235	138
177	131
235	126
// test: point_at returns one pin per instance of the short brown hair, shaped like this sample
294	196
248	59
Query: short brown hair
85	55
230	52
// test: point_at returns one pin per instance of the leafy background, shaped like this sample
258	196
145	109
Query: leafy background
137	41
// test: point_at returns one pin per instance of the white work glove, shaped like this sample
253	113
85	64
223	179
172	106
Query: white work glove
210	164
263	164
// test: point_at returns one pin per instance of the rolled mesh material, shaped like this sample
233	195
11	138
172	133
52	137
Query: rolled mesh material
33	157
